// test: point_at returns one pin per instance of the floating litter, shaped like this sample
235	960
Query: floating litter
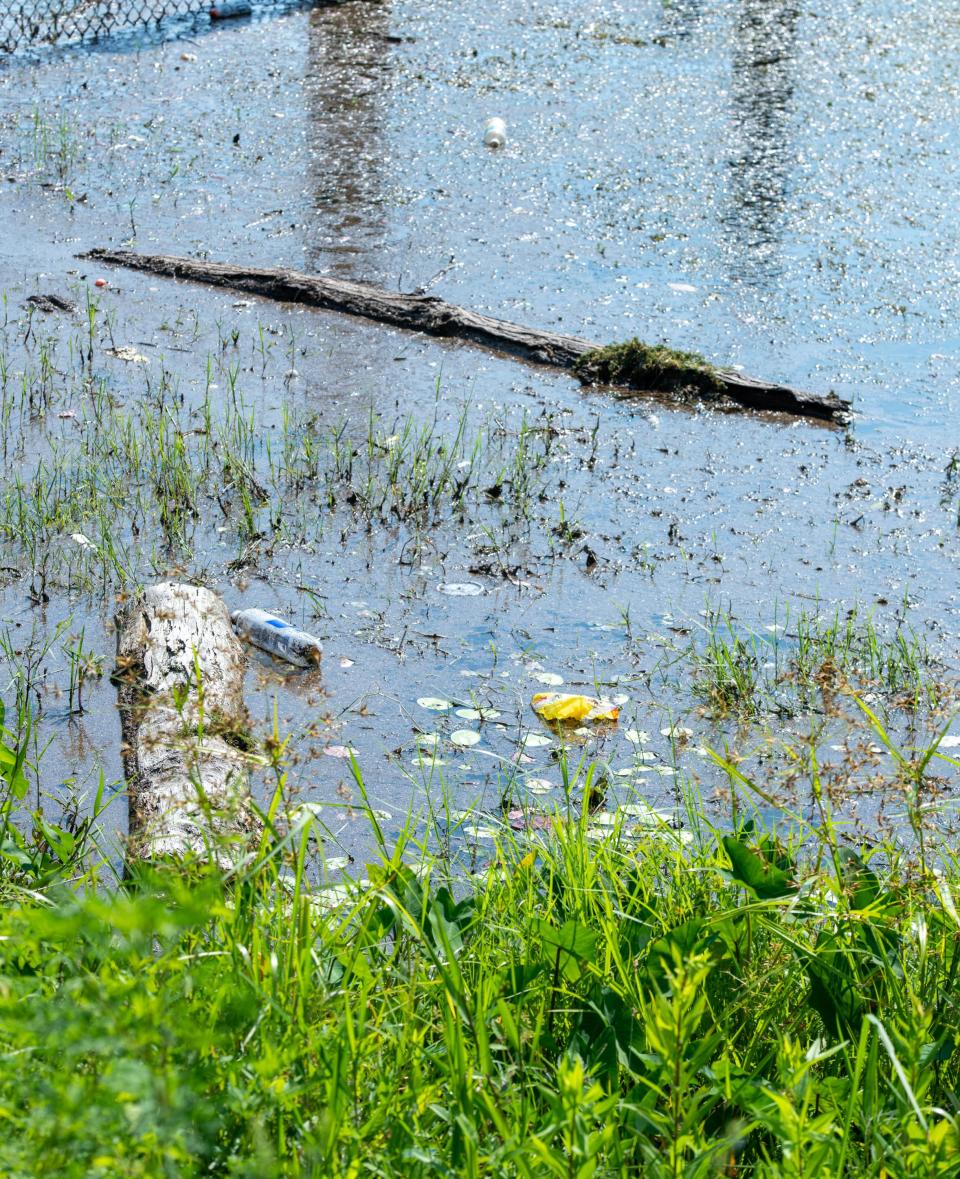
344	751
550	678
560	706
495	132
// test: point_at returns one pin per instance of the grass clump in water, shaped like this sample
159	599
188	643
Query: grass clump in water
649	366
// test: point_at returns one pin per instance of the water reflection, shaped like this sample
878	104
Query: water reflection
346	79
681	18
761	93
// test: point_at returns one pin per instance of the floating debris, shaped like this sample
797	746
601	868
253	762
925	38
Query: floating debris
342	751
559	706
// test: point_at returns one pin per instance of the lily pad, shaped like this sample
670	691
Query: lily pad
540	785
646	814
521	820
336	863
435	704
550	678
477	831
460	589
465	737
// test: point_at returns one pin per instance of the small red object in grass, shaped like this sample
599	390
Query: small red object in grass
101	282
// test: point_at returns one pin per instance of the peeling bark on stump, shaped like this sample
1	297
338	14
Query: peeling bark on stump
180	675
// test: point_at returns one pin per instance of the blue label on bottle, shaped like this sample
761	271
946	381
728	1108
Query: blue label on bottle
278	624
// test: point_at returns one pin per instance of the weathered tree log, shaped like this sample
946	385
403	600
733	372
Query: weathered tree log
435	317
180	686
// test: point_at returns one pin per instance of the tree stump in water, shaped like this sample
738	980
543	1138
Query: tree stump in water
180	674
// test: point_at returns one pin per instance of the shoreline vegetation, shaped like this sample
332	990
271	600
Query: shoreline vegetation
647	994
578	984
448	937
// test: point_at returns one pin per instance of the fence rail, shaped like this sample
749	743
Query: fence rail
34	24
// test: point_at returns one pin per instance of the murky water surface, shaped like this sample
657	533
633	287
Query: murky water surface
770	184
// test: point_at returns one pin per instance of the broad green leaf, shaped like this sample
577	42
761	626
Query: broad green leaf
572	941
862	882
765	879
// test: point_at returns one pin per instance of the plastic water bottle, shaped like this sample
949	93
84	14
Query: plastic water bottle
280	638
495	133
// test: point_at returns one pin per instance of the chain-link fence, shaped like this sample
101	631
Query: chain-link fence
26	24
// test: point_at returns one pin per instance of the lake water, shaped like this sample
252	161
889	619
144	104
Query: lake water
772	185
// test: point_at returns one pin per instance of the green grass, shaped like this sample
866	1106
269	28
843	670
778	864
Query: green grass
808	660
607	995
594	1002
649	366
110	494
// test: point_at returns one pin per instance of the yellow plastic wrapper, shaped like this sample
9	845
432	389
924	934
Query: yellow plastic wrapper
559	706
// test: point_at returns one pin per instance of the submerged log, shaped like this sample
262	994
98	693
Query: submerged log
180	686
435	317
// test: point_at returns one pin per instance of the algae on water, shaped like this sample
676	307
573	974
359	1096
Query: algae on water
648	366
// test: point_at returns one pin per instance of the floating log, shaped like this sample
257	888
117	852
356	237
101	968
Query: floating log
180	687
674	372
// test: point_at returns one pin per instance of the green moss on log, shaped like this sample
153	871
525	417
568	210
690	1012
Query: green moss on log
649	366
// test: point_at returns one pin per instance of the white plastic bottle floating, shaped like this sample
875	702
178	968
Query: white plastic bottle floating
495	133
280	638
